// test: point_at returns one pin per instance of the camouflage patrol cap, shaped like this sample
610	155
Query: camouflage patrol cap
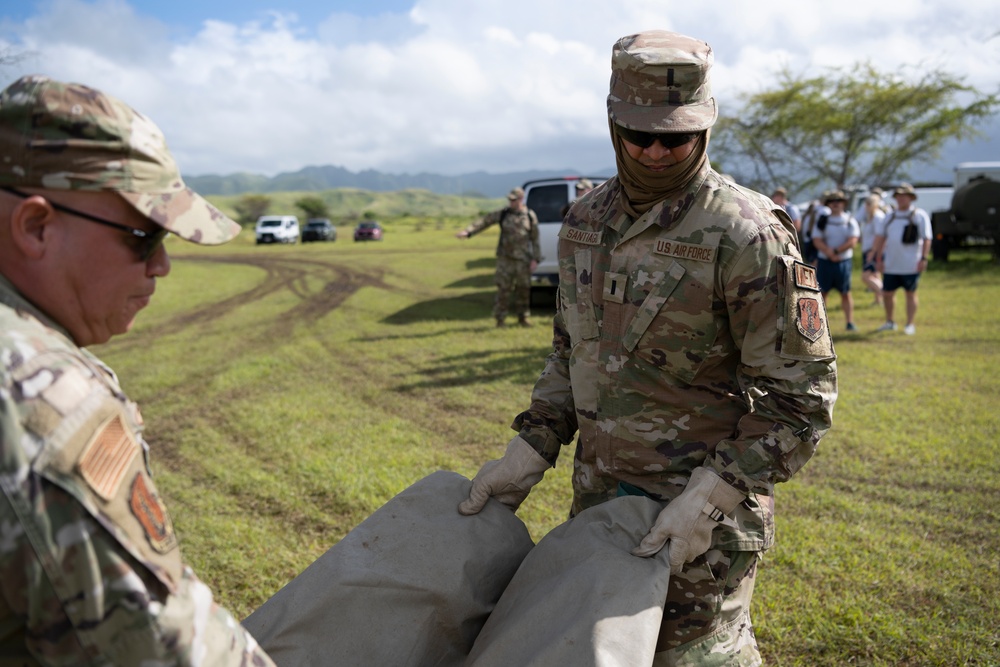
660	83
584	184
67	136
516	194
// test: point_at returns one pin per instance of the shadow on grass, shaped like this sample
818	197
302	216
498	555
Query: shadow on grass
480	281
476	368
482	263
464	308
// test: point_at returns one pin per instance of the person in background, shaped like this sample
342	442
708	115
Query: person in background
814	213
691	356
90	566
902	246
582	187
835	237
518	253
780	197
870	218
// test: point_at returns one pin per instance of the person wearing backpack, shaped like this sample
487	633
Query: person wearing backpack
835	237
902	245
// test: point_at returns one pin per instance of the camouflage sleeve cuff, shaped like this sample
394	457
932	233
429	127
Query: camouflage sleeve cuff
541	439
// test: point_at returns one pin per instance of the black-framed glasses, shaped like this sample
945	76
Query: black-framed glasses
146	242
668	140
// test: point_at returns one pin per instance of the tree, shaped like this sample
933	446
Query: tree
251	206
313	207
846	127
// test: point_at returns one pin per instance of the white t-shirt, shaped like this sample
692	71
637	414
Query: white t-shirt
900	258
868	228
838	229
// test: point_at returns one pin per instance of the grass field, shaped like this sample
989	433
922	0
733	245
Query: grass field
289	392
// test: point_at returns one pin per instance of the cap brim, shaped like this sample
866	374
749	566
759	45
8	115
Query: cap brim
185	213
687	118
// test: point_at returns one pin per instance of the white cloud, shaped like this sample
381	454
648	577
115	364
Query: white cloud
455	86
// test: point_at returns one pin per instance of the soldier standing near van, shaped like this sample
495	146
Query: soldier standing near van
518	253
691	354
90	568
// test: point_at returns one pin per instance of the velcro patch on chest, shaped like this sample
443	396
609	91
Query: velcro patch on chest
583	236
682	250
107	458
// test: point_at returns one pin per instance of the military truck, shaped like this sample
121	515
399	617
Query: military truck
974	216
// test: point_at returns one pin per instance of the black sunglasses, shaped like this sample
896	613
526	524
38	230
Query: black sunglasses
645	139
146	242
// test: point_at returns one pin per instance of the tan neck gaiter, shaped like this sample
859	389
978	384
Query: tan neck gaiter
642	189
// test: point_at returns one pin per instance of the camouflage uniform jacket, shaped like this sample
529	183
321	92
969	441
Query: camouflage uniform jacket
692	337
90	569
518	233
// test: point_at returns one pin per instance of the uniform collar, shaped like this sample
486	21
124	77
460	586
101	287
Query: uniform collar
11	297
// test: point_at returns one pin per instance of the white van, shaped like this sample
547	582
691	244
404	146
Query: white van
277	229
548	197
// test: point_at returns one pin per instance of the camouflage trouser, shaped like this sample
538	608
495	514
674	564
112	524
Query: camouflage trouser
513	280
706	620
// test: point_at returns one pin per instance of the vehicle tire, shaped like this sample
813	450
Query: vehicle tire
940	248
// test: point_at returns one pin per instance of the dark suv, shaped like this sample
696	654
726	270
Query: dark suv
318	229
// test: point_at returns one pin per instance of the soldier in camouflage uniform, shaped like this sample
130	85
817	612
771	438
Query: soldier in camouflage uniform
90	569
518	253
691	353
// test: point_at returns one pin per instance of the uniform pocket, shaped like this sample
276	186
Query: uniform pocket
576	281
671	330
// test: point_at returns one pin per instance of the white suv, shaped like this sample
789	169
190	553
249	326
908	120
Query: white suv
548	198
277	229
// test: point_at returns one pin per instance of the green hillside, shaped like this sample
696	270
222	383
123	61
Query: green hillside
351	203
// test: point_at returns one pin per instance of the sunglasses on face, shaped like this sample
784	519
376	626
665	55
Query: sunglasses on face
668	140
144	243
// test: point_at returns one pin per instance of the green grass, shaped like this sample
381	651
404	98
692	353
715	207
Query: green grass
288	392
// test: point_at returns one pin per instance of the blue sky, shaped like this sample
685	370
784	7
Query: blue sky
454	86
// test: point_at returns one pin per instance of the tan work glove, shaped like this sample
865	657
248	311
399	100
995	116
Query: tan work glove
508	479
687	521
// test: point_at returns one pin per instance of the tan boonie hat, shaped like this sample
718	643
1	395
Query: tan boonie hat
905	189
584	184
836	195
660	83
67	136
516	193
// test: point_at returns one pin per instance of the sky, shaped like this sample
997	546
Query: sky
455	86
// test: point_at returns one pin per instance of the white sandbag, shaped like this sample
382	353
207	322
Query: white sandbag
580	598
411	585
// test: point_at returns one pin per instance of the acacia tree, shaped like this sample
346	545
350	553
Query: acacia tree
249	207
313	207
846	127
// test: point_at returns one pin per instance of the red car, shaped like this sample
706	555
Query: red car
368	231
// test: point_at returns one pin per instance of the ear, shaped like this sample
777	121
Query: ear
31	226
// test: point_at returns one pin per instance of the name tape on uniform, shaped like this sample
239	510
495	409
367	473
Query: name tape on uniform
681	250
580	236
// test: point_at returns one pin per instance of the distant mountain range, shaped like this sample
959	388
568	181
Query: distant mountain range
310	179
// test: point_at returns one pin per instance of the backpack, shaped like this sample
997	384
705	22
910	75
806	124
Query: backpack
911	233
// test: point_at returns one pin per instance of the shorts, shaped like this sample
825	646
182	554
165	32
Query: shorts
893	281
869	264
834	275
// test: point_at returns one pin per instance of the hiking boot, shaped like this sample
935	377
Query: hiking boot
910	329
888	326
523	321
851	327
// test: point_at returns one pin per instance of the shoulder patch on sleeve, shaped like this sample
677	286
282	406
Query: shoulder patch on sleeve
804	332
107	457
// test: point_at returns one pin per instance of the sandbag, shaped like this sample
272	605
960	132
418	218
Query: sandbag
580	598
411	585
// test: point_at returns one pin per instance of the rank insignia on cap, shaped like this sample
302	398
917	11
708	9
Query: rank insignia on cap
810	318
107	458
149	510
